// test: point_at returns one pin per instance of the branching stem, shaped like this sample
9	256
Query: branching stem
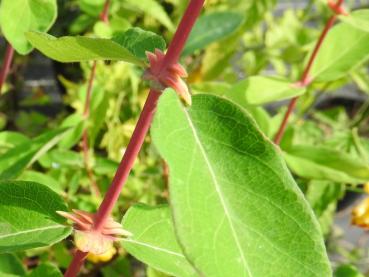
305	78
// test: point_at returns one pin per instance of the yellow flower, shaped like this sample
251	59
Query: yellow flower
360	214
107	256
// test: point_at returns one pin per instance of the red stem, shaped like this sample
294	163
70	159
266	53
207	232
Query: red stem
142	127
305	79
76	264
104	16
86	113
9	53
85	146
134	146
128	160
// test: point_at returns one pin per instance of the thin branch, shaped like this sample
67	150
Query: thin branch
84	142
104	16
305	78
8	58
76	264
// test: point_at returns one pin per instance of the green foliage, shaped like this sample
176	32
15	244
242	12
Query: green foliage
44	270
210	28
214	150
345	48
16	159
153	9
11	264
347	271
28	216
138	41
154	240
78	49
322	163
233	205
358	19
20	16
258	90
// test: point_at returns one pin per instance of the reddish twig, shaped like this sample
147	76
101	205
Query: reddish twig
86	113
104	16
76	264
9	53
84	142
305	78
174	51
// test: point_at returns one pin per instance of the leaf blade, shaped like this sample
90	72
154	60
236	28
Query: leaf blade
345	48
258	90
154	240
79	49
37	15
27	216
221	233
211	28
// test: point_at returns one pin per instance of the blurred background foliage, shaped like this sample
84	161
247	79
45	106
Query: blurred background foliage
270	39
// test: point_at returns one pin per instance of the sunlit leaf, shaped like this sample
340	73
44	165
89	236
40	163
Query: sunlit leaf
237	210
358	19
20	16
345	48
258	90
321	163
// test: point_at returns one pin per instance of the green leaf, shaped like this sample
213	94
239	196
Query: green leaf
358	19
11	264
347	271
322	163
260	115
237	211
47	180
153	9
45	270
118	268
79	49
154	241
258	90
151	272
9	139
345	48
20	16
323	197
211	28
138	41
15	160
76	125
28	216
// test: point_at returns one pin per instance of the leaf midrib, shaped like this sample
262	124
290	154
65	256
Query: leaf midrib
154	247
32	230
217	189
